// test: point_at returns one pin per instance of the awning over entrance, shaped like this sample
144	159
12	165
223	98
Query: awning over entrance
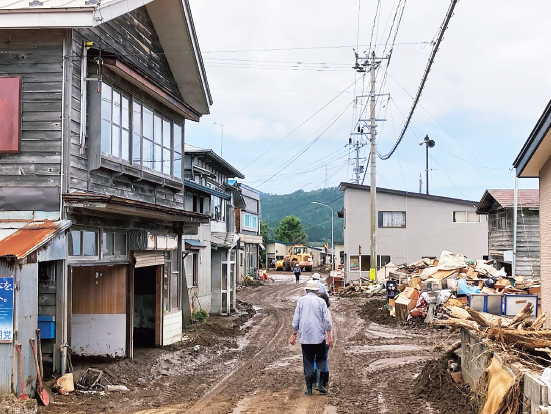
194	244
106	204
224	240
261	246
20	238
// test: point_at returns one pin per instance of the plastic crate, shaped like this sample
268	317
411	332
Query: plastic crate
46	324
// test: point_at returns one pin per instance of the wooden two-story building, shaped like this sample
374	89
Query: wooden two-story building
94	99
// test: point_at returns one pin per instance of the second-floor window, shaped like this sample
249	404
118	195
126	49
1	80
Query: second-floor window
135	133
218	208
250	222
465	217
392	219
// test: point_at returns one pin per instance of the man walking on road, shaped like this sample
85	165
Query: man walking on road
312	320
296	271
322	289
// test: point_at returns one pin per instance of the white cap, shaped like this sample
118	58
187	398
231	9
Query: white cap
316	276
296	265
312	285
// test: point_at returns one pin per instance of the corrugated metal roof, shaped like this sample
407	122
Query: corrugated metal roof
25	237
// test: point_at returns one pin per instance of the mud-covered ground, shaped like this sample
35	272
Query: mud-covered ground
244	364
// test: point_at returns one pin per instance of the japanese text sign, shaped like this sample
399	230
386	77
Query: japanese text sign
6	309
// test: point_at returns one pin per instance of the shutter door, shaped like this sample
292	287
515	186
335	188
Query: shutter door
153	258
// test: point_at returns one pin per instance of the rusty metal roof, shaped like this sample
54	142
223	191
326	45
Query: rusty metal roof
25	237
495	199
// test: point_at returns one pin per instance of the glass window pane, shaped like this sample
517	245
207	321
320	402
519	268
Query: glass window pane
166	287
147	123
89	243
108	244
472	217
147	154
120	244
125	121
166	134
158	166
177	138
116	141
354	263
105	101
224	276
158	130
105	137
365	263
166	161
136	149
459	216
74	243
247	220
177	165
174	289
136	118
125	145
116	107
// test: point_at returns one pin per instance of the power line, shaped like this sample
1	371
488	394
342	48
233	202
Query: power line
423	81
310	117
308	146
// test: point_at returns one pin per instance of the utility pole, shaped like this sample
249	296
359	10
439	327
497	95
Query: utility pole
373	187
373	64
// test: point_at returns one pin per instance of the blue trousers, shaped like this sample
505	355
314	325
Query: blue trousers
324	368
313	354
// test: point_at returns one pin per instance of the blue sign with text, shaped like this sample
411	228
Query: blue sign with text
6	309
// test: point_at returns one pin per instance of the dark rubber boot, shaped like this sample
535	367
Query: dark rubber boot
308	379
325	382
319	382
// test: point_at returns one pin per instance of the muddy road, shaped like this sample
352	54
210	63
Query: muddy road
373	368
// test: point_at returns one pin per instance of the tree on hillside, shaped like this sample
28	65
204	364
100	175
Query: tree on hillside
264	232
290	231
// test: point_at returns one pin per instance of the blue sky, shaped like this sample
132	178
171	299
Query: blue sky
273	66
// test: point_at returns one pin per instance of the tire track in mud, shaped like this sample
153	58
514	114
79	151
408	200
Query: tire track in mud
252	383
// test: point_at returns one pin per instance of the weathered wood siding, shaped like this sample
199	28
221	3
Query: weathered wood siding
132	37
528	250
528	243
30	180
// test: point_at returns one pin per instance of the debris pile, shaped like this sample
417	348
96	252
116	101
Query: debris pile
425	288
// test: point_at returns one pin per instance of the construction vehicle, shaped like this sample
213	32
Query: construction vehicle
296	254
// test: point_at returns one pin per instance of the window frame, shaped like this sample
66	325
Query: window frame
167	145
380	220
467	212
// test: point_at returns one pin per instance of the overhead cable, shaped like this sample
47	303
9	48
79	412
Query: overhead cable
423	81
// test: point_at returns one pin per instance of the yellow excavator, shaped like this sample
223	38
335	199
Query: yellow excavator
296	254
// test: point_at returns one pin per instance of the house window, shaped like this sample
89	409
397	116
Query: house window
392	219
83	243
360	262
498	220
171	282
114	244
250	222
115	123
218	208
150	140
195	269
382	261
198	204
465	217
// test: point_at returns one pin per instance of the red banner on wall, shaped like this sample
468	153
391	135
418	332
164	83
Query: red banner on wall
10	114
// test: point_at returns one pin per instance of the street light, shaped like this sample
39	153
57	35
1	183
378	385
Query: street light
332	245
429	143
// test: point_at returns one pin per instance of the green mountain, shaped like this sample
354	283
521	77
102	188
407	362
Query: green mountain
316	219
